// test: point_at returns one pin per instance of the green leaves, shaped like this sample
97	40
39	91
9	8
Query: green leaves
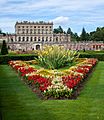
55	57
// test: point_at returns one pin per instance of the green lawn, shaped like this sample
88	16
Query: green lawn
18	102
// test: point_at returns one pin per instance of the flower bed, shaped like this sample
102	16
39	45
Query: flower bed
55	84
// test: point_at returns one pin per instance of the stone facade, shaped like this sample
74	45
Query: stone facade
86	45
34	35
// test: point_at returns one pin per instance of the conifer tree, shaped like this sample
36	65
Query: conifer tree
4	49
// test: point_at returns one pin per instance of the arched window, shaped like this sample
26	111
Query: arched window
56	39
31	39
42	39
38	38
34	38
19	39
27	39
11	39
37	47
23	39
46	38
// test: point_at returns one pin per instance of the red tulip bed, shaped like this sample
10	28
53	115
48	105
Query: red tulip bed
54	84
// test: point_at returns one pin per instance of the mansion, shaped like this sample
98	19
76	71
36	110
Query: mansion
34	35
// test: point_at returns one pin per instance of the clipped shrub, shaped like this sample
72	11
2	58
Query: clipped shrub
4	59
99	56
4	49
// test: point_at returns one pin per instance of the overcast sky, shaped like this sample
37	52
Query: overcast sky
75	14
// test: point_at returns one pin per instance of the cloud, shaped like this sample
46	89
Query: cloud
81	12
60	20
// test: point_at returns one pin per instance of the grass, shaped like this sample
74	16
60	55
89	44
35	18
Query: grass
18	102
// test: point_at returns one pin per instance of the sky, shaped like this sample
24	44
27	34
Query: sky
75	14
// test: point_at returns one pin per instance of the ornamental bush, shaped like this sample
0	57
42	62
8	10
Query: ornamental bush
55	57
4	49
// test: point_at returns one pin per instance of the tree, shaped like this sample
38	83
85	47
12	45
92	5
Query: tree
97	35
4	49
74	36
58	30
69	31
83	36
0	31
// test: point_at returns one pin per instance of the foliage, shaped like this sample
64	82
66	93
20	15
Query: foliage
84	35
97	35
58	30
99	56
74	36
4	59
54	57
4	49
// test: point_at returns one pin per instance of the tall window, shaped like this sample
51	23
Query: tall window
31	39
27	31
19	39
38	38
46	38
34	31
56	39
50	38
27	39
23	39
23	31
38	31
34	38
42	39
30	31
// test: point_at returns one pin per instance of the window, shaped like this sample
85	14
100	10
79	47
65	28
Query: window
23	31
30	31
50	38
34	38
34	31
42	31
38	38
56	39
27	39
31	39
27	31
37	47
23	39
11	39
42	39
19	39
38	31
46	38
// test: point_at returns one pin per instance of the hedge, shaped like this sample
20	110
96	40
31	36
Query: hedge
99	56
5	58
